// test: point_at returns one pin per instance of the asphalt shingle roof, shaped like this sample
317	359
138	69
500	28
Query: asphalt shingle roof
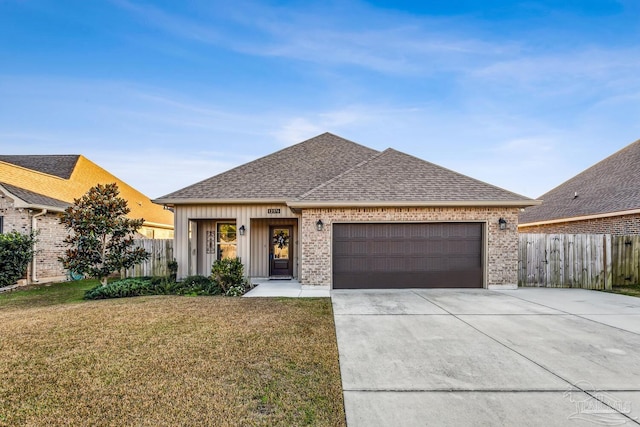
612	185
328	168
61	166
395	176
35	198
284	174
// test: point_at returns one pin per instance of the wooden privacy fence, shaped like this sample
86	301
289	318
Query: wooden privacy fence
161	252
589	261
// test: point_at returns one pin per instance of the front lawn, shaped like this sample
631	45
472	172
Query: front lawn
166	360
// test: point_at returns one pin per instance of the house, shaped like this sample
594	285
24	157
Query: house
35	190
604	199
333	213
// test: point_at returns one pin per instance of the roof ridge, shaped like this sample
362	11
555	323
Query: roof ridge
351	169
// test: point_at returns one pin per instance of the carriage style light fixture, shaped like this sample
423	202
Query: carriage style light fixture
503	223
319	225
241	230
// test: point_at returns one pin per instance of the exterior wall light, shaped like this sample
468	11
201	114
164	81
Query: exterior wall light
241	230
503	223
319	225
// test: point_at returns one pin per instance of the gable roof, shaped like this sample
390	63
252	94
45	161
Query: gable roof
61	166
331	171
280	176
57	180
611	185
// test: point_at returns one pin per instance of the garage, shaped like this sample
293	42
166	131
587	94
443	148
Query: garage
407	255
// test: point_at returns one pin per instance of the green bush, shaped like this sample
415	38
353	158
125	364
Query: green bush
133	287
129	287
16	252
229	275
198	285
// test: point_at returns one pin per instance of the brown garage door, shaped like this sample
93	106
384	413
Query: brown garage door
433	255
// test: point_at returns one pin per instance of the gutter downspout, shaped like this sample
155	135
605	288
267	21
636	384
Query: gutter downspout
34	228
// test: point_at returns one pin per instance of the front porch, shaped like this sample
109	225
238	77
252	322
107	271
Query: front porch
265	238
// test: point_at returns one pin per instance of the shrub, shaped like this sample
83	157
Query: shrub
139	286
16	252
197	285
129	287
229	275
172	266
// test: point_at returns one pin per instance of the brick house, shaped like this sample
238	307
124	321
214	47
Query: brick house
35	190
603	199
333	213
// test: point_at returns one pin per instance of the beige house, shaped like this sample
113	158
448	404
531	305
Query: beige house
333	213
36	189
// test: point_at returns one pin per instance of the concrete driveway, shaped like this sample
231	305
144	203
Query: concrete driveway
539	357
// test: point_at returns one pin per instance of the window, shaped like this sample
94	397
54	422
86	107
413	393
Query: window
1	224
226	240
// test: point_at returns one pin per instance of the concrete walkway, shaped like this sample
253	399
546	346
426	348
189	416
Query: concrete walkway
286	288
528	357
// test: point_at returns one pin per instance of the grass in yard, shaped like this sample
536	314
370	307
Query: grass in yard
631	290
49	294
167	360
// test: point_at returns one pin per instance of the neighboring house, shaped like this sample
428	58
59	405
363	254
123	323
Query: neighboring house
330	212
603	199
35	190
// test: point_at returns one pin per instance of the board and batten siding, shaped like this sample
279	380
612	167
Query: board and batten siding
261	243
240	214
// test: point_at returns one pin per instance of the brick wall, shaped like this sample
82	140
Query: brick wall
502	245
49	246
617	225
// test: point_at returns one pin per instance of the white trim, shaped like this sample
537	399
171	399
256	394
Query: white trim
580	218
399	203
173	202
350	204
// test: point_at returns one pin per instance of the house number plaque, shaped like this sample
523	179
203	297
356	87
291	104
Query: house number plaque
273	211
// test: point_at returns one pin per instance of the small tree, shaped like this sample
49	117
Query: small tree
16	252
102	236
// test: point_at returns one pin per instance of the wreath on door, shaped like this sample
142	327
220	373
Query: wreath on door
280	239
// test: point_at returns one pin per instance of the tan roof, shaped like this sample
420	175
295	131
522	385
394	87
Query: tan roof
392	176
331	171
46	176
611	185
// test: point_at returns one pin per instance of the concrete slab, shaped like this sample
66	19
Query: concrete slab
381	301
573	348
285	288
578	301
430	352
627	322
408	409
478	357
481	301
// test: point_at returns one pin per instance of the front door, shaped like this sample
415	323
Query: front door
281	252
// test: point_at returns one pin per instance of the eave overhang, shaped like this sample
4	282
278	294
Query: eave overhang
580	218
400	203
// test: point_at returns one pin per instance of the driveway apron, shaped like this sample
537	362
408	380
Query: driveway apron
449	357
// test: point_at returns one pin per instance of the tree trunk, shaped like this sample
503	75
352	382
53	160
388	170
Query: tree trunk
103	281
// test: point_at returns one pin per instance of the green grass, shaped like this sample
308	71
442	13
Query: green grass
631	290
166	360
49	294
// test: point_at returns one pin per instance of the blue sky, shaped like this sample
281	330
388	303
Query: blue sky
521	94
